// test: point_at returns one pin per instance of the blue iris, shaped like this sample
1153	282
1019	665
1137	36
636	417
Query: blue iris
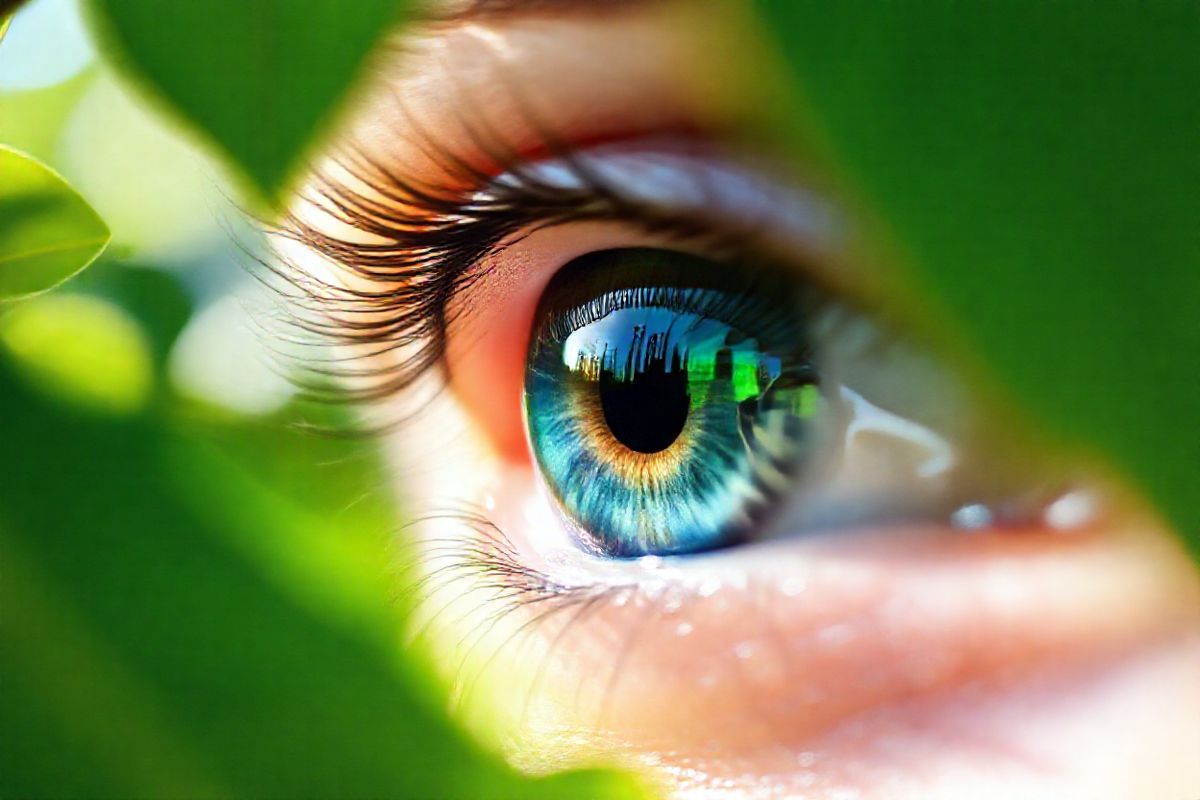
667	411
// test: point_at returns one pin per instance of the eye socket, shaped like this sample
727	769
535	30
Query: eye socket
669	401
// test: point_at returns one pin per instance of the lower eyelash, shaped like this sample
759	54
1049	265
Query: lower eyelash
485	564
488	559
387	290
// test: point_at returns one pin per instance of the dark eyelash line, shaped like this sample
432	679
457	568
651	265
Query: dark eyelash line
588	294
424	242
391	294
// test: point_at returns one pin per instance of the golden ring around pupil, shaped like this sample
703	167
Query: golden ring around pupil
639	471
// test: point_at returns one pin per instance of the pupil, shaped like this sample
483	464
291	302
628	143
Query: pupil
645	400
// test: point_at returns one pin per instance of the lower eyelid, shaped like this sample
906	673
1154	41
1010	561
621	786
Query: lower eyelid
795	636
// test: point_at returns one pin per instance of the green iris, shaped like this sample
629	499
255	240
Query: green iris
670	400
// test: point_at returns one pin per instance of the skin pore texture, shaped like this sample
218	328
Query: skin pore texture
912	661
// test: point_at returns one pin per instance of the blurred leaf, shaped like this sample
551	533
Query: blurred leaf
156	298
181	619
174	205
5	19
221	358
47	231
82	349
32	120
1038	166
261	79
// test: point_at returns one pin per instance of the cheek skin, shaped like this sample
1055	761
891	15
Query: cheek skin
901	664
778	643
906	664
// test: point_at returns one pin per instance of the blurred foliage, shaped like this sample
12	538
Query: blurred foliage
196	600
32	120
161	306
155	192
82	349
1037	164
259	79
47	231
197	603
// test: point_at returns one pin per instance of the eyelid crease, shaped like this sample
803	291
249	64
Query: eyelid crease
655	174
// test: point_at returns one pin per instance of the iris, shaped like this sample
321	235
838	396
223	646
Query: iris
669	399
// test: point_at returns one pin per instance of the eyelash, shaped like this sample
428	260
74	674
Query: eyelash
486	565
427	239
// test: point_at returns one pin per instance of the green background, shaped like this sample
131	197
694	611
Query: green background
196	598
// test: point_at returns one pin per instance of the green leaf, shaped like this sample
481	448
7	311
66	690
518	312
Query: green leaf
1037	167
47	231
192	608
260	79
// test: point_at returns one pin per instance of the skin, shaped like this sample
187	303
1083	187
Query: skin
907	662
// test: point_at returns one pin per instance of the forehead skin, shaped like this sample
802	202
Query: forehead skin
581	76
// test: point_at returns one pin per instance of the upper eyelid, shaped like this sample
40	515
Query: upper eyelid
734	197
405	247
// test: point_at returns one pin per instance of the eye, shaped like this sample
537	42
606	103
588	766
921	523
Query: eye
669	400
689	368
675	404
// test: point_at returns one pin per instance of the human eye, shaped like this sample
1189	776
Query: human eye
666	405
673	404
692	487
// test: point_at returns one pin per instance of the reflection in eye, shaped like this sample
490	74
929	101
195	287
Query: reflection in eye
666	414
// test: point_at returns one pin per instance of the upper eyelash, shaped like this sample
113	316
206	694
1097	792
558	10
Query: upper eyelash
427	239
